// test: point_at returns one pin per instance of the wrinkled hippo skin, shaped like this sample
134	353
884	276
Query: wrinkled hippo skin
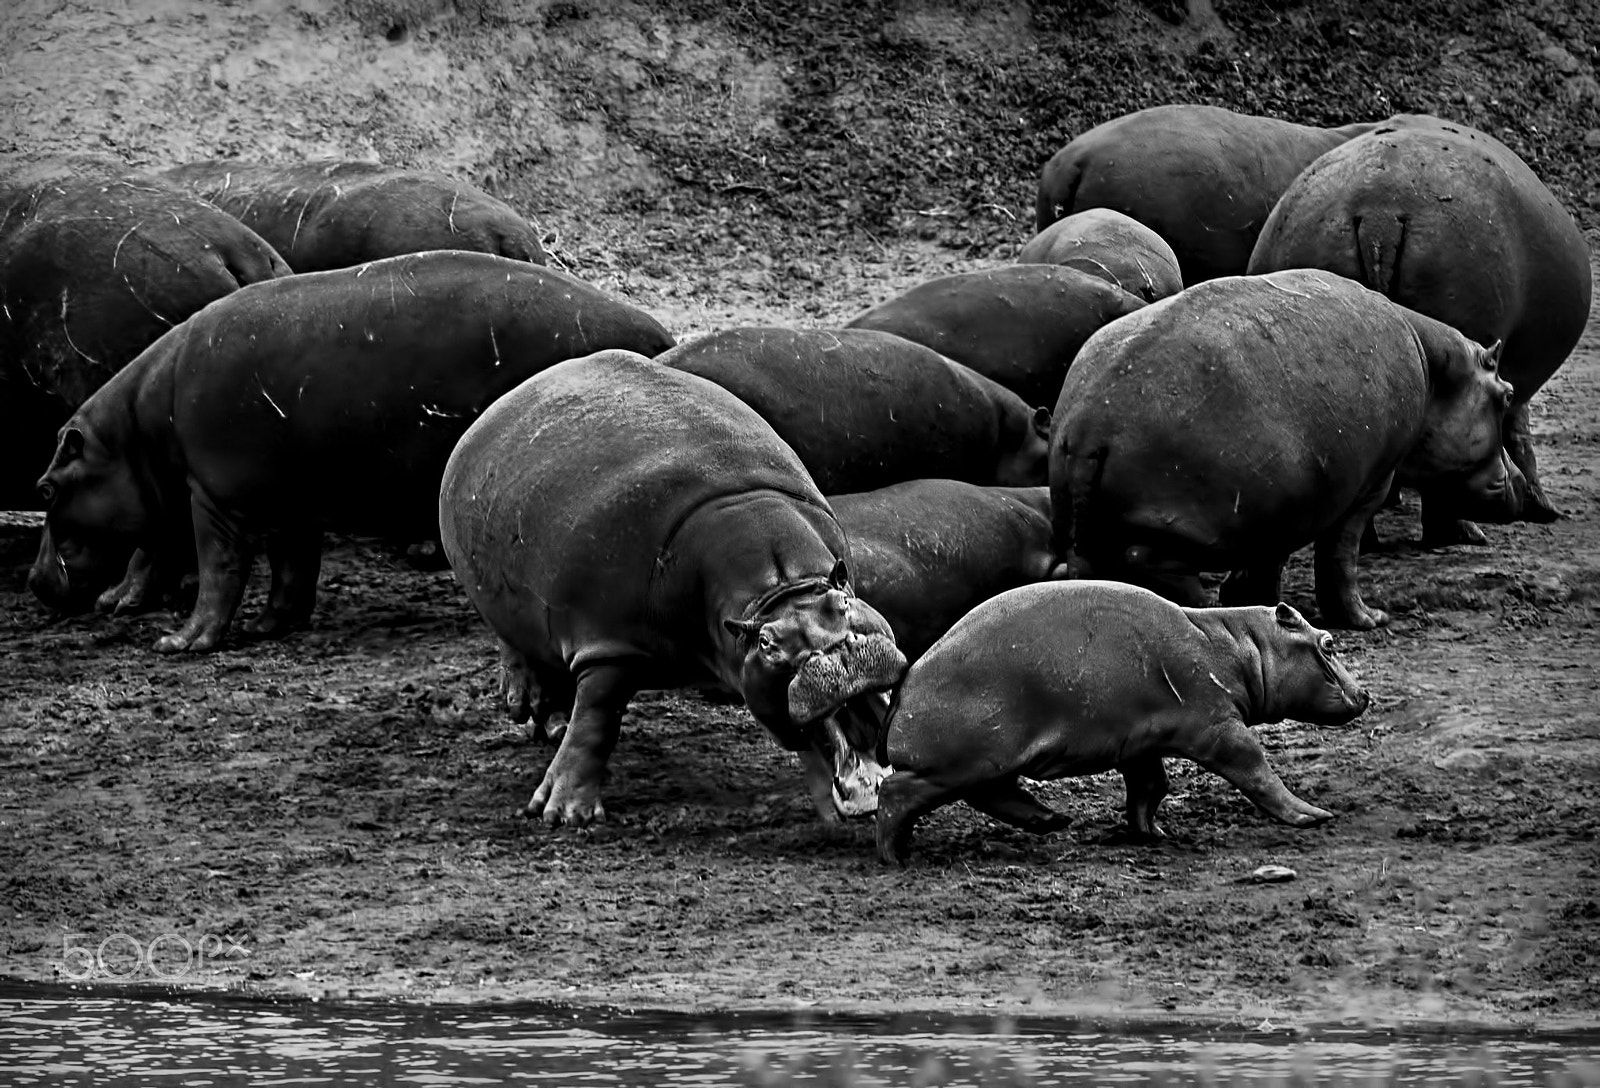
1202	177
324	215
622	525
1117	248
1226	427
925	553
866	409
1019	325
1076	678
1450	222
93	268
327	400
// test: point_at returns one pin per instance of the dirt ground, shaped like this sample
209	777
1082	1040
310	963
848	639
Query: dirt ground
336	814
342	805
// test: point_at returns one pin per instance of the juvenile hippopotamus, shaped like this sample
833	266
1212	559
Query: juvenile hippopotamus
866	409
1020	325
1226	427
323	215
1065	679
1450	222
1116	247
328	400
1202	177
925	552
622	525
92	270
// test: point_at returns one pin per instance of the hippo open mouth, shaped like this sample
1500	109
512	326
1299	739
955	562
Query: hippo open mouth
841	698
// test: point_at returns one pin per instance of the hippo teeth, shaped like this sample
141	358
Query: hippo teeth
856	778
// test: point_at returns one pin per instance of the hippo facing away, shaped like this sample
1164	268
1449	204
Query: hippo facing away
1202	177
1063	679
1449	222
1228	426
622	525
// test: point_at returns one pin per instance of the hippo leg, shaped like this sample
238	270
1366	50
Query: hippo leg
1007	801
1233	752
903	799
139	590
1337	549
224	560
1147	785
1518	432
570	792
1253	585
528	691
295	557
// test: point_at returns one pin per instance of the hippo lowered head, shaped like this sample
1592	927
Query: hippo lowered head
816	661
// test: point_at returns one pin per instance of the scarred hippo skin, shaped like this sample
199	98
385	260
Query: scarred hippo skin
92	270
1202	177
866	409
1450	222
622	525
1226	427
324	215
926	552
1117	248
1019	325
327	400
1064	679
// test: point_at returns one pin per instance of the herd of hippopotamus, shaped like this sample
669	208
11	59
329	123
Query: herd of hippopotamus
960	537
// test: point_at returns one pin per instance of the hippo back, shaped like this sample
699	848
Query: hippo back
1449	222
1019	325
862	408
92	272
924	553
1326	379
349	410
584	474
1117	248
1202	177
325	215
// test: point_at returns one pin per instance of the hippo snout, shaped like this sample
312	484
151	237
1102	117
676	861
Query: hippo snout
49	581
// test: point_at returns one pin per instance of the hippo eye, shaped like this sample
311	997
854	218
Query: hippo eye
765	641
47	492
1325	643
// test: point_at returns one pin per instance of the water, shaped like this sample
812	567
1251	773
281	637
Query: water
52	1036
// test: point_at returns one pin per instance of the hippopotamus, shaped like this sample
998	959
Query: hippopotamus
925	552
622	525
1227	426
92	270
1202	177
325	215
1063	679
1117	248
1450	222
1020	325
866	409
325	400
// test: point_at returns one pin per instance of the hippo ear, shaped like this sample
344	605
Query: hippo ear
742	628
839	577
1287	616
71	445
1041	422
1491	354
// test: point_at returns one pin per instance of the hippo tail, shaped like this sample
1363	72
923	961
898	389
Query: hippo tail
1084	472
1380	242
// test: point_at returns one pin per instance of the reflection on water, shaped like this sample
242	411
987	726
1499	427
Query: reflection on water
57	1037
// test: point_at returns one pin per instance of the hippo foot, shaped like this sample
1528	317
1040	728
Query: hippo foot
1446	534
178	642
1310	816
1537	508
273	625
1360	617
427	555
575	804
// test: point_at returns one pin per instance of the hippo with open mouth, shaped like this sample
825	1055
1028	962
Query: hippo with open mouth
622	525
